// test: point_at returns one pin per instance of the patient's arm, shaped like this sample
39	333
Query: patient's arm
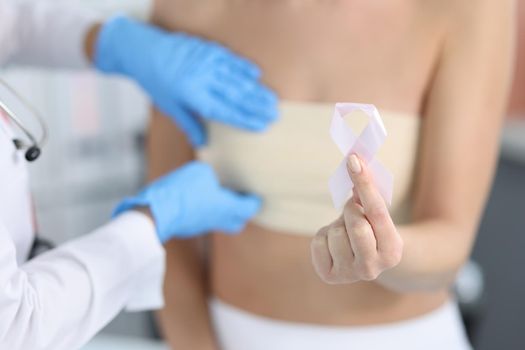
184	320
459	147
457	157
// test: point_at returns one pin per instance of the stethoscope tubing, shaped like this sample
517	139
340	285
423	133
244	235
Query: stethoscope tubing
36	144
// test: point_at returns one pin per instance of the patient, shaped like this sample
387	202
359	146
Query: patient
439	71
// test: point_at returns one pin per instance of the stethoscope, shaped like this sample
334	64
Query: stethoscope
33	148
32	152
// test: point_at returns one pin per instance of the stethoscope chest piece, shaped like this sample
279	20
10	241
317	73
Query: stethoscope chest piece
32	151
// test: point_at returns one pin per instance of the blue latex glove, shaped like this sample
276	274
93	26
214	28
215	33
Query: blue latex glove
187	76
190	201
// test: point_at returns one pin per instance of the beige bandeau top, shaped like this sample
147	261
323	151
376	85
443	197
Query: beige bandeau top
290	164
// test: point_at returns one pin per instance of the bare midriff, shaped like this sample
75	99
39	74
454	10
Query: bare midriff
323	51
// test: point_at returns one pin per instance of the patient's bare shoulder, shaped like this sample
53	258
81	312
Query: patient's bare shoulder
183	14
463	13
456	12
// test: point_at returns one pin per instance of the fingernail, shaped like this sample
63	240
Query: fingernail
354	164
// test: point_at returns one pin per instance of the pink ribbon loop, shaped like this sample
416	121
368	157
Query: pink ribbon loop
365	146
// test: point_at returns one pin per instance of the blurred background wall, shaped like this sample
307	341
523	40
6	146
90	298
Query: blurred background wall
94	157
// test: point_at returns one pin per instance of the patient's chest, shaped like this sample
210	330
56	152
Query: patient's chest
289	166
317	50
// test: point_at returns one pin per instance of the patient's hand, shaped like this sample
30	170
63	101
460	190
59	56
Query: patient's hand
364	241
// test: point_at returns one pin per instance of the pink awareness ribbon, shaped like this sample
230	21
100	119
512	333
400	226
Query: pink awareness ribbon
365	146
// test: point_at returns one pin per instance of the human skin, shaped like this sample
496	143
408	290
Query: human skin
517	100
91	40
446	62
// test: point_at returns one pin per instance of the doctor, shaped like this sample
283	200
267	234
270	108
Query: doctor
60	299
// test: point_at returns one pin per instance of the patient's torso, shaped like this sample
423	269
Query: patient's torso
323	51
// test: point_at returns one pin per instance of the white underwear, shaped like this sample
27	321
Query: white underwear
236	329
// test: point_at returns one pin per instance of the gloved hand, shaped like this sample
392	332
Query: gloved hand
187	76
190	201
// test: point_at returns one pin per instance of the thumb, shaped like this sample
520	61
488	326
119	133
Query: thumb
190	125
239	209
242	206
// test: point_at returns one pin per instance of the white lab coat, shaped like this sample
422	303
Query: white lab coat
44	33
62	298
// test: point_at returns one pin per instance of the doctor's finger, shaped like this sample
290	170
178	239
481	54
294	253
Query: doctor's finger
191	126
221	109
236	63
246	103
212	106
241	206
225	77
233	227
249	96
235	210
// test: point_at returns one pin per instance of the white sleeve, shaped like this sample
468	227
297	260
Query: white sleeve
64	297
46	33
